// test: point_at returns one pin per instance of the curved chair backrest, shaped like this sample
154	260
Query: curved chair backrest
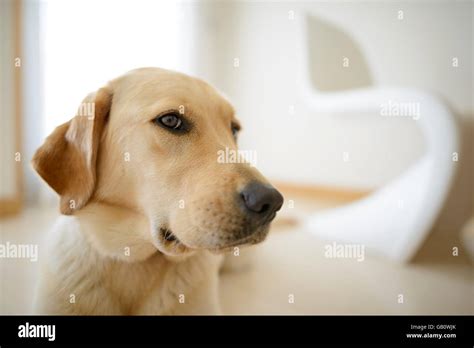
395	219
335	60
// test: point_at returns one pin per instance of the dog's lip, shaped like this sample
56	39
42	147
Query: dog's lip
169	237
258	236
169	240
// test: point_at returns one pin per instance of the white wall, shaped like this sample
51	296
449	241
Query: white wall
416	51
87	43
32	94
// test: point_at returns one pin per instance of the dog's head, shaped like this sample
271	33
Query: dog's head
163	145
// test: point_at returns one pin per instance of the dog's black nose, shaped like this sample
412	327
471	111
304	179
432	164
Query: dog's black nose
262	199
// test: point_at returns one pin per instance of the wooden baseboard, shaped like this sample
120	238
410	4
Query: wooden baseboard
321	192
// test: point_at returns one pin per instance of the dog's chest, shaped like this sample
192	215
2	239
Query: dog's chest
157	285
133	284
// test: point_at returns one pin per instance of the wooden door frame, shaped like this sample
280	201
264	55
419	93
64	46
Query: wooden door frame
13	205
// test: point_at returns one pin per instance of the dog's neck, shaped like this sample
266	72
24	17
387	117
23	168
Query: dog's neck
116	232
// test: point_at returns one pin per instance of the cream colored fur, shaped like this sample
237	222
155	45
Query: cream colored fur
79	278
124	182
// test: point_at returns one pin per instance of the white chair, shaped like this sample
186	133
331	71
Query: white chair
395	219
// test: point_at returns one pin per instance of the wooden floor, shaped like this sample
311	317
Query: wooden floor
289	274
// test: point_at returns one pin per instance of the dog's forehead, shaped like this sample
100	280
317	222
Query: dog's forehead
148	85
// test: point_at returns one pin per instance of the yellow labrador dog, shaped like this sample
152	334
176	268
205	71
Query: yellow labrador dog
149	208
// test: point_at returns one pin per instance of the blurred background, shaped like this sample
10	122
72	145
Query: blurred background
311	82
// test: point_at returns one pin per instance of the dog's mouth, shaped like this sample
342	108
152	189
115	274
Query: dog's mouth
169	236
257	237
170	244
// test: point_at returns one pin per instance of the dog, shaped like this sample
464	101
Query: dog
147	210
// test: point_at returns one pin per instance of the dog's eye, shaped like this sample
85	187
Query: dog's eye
171	121
235	130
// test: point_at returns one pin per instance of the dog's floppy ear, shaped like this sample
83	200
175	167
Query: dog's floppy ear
67	159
